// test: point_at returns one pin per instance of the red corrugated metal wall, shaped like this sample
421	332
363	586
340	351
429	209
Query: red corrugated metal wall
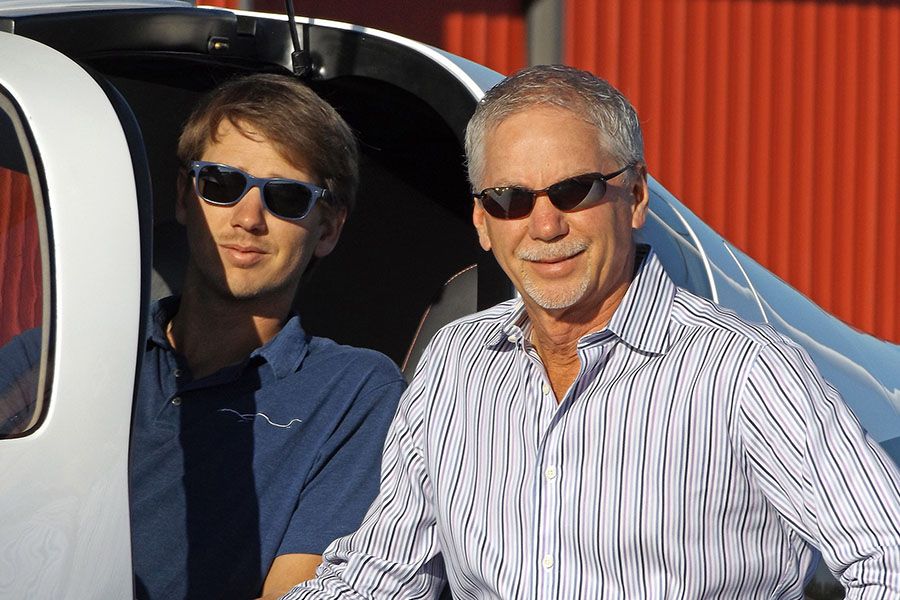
488	32
778	122
20	256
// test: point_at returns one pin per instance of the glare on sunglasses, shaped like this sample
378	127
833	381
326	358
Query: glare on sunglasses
573	193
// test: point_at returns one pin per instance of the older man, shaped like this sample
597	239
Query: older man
608	435
254	444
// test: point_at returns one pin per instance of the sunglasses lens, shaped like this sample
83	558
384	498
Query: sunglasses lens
219	185
507	202
568	194
288	199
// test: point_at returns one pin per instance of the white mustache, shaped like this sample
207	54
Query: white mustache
551	252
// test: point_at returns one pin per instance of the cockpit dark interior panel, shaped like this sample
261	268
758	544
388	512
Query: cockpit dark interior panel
411	229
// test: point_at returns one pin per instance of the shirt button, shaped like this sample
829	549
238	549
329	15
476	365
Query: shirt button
547	562
550	472
511	339
176	400
546	389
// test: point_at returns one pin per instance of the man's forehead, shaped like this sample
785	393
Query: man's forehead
241	126
527	139
251	131
517	124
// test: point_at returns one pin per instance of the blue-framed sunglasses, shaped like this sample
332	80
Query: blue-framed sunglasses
224	185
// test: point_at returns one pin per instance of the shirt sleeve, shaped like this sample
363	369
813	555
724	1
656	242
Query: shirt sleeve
395	552
829	481
345	477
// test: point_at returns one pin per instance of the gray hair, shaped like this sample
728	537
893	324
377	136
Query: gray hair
587	96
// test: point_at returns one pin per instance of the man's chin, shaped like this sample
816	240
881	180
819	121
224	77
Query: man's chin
554	297
244	295
249	292
234	287
252	294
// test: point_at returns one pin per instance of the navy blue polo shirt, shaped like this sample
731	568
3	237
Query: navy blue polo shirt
280	454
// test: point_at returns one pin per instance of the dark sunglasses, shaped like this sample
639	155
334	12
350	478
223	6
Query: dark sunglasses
569	194
224	185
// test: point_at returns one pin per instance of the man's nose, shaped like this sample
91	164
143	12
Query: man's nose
546	222
250	212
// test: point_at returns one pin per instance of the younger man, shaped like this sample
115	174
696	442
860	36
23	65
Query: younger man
254	444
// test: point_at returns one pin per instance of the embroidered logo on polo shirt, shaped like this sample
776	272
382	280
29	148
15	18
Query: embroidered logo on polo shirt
250	417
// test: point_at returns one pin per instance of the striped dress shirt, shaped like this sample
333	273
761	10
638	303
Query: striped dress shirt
694	456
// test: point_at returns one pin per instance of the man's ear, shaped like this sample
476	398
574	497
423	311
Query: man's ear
640	193
331	226
479	220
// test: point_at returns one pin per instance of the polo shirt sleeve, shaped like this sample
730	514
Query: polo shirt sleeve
828	480
345	475
395	553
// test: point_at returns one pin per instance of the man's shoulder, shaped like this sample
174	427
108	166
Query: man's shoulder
694	315
325	353
479	327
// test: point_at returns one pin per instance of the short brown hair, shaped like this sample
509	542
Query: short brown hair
307	130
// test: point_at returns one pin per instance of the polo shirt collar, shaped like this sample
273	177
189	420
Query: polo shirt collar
284	352
161	312
641	320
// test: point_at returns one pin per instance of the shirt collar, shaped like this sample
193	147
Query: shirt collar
641	320
284	352
161	312
514	326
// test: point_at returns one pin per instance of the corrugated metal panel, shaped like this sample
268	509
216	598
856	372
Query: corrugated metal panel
488	32
495	39
778	122
20	257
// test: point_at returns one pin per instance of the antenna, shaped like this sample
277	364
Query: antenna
300	59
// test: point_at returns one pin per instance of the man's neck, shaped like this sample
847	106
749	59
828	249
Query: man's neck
213	332
555	333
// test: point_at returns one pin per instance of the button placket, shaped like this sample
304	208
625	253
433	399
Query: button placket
181	380
548	520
